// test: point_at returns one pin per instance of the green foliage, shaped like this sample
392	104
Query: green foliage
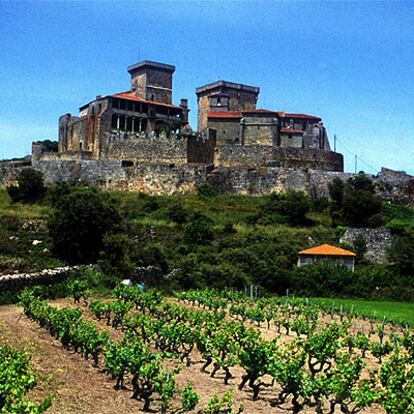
354	203
222	406
177	213
292	206
360	248
79	223
189	398
50	146
116	255
206	191
30	187
16	380
401	253
198	230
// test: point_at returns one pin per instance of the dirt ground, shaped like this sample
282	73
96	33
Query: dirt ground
79	388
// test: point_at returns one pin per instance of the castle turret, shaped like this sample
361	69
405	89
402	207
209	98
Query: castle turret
223	96
152	81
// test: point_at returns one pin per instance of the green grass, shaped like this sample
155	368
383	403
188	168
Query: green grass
399	312
19	210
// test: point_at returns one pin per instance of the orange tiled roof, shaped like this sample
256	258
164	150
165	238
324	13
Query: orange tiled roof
224	114
327	250
130	95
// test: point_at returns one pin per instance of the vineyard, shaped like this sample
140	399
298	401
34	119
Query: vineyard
207	351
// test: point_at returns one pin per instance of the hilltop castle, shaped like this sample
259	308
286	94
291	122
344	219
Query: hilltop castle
142	125
139	140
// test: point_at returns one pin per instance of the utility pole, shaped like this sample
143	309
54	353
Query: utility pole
356	163
334	142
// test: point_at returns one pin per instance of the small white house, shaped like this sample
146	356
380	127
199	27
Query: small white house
328	253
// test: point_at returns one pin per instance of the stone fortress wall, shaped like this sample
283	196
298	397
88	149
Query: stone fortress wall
170	179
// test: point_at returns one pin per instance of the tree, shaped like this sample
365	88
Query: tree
30	187
355	203
116	255
79	223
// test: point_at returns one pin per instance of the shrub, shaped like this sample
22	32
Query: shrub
206	191
30	187
293	206
116	255
79	224
198	230
177	213
355	203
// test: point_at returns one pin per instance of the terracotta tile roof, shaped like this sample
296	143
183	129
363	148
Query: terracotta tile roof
327	250
290	131
224	115
302	116
130	96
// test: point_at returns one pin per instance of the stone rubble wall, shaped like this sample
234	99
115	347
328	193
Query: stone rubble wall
253	156
21	280
378	241
9	170
171	179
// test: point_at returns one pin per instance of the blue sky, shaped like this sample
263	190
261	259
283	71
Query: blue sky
350	63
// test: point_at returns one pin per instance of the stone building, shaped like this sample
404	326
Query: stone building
230	109
249	137
145	109
139	140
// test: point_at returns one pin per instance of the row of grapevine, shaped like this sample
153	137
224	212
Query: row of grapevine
16	380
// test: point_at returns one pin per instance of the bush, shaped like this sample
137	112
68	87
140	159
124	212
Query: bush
79	223
322	279
206	191
199	230
293	206
30	187
177	213
355	203
116	255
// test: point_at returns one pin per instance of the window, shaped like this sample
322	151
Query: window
115	103
290	136
114	122
129	124
122	123
152	97
122	104
129	105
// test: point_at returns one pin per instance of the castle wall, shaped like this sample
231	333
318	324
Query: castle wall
295	141
259	130
245	156
185	179
227	130
142	148
9	170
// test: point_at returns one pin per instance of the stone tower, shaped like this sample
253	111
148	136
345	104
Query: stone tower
152	81
223	96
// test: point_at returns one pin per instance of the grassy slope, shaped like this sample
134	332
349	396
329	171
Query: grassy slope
393	311
19	210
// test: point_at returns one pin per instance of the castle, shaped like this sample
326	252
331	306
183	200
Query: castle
143	126
140	141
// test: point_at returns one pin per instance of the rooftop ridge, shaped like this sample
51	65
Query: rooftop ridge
232	85
150	63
